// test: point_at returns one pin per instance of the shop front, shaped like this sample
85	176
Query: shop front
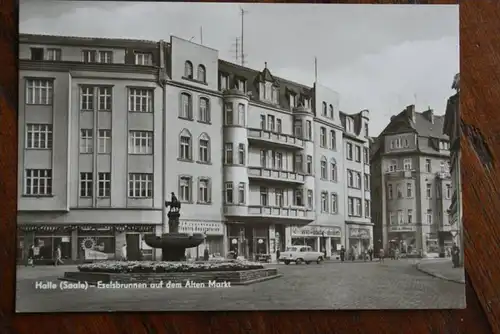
359	239
250	241
321	238
403	237
214	241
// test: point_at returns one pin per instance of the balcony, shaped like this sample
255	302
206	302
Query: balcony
271	138
443	175
399	174
270	214
275	175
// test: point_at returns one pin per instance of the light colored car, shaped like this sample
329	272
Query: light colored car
300	254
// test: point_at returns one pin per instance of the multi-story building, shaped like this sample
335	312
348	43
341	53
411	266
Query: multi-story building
452	129
108	128
411	183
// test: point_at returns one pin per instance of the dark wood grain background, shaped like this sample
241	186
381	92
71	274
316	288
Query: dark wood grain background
480	104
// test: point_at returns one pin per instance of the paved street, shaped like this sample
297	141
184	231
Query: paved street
332	285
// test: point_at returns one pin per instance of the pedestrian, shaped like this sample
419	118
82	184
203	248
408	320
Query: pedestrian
58	256
370	253
381	255
124	252
342	254
278	255
353	254
455	254
205	254
31	256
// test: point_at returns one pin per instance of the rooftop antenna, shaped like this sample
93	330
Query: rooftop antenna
315	69
201	35
242	12
236	51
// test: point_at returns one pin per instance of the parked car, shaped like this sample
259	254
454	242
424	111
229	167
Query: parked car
300	254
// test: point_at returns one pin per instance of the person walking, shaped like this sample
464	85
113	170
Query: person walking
353	254
370	253
278	255
58	256
381	255
342	254
31	256
455	253
205	254
124	252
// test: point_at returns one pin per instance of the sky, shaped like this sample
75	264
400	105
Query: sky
377	57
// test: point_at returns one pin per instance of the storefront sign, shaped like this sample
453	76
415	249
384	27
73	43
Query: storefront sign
317	231
201	227
359	233
65	239
402	229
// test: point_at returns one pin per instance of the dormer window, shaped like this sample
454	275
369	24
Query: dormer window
188	69
143	58
306	102
93	56
36	53
54	54
202	74
268	90
241	85
323	109
223	81
350	124
331	111
293	100
275	94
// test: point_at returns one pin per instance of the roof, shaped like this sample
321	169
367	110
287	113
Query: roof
78	41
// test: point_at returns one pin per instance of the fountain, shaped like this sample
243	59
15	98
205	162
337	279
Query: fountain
173	244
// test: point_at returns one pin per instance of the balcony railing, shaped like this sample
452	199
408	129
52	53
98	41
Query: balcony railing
275	175
443	175
280	212
275	138
402	174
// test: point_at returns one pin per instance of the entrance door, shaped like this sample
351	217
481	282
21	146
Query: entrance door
133	247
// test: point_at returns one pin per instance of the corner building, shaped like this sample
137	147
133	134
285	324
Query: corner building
109	128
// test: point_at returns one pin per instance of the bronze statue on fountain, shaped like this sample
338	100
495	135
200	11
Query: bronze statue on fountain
173	244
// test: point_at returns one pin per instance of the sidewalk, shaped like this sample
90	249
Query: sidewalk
41	271
443	269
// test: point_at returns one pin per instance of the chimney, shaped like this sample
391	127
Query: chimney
429	115
410	112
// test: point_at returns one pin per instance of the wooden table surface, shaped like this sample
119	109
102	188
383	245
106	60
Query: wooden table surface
480	88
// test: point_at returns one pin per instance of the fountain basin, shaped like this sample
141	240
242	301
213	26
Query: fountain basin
174	240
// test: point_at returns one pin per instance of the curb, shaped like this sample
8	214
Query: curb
433	274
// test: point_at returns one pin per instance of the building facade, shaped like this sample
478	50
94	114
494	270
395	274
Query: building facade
108	128
411	184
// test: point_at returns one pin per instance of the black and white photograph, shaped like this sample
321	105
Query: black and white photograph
236	157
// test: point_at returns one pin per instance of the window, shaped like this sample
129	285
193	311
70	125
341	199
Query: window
428	165
292	99
204	115
442	166
367	208
331	111
140	142
241	154
228	113
428	190
39	91
185	193
228	153
310	198
104	185
104	141
39	136
86	98
400	217
409	190
297	128
241	193
322	136
278	197
263	196
358	153
308	130
188	69
357	184
429	217
406	143
393	166
410	216
367	182
270	122
241	116
140	100
354	206
267	91
323	109
324	201
298	163
448	191
263	122
142	58
333	140
105	98
201	73
279	160
223	82
86	182
275	95
297	195
309	165
185	145
279	125
54	54
350	206
392	218
204	190
398	191
324	174
350	178
334	203
105	57
407	164
86	141
89	56
204	154
349	124
36	53
333	170
389	191
140	185
349	151
38	182
263	158
186	111
241	85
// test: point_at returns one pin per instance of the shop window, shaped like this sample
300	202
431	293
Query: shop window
47	243
99	243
